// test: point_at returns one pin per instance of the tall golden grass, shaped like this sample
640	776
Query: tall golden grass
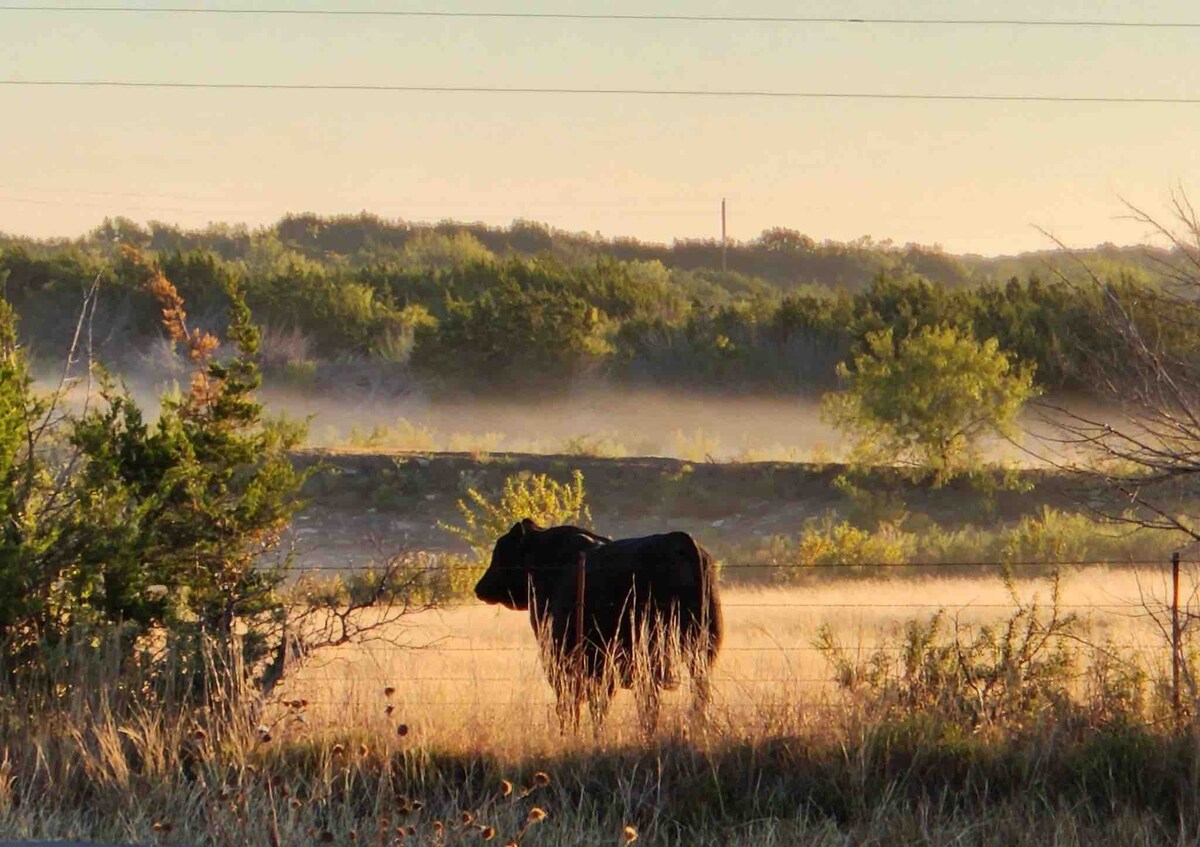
452	740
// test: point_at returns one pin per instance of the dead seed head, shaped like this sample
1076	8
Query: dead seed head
417	805
162	826
506	788
512	844
199	734
629	834
295	804
541	778
338	749
327	837
264	737
467	818
437	827
363	749
487	833
412	830
402	730
389	691
537	813
389	708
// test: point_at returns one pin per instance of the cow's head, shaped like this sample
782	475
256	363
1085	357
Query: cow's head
507	579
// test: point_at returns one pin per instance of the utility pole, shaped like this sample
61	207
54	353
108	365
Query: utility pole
724	265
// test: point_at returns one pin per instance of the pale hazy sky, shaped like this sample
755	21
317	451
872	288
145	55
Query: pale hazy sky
972	176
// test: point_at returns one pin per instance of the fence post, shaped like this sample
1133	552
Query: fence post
579	578
1176	635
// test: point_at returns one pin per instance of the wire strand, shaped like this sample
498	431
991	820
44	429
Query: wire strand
436	568
1095	23
612	92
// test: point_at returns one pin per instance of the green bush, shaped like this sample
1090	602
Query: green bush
535	496
163	527
1052	537
1012	673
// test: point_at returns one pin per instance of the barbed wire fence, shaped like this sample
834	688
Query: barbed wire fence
1167	617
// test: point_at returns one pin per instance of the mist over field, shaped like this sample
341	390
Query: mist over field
597	420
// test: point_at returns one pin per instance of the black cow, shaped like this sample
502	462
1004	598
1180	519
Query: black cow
649	610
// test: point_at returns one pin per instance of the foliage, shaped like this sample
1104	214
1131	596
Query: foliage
535	496
477	307
149	527
841	543
193	502
595	446
1051	537
25	491
1147	368
1010	672
511	337
482	306
927	401
401	435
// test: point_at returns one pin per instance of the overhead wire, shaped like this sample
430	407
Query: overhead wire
780	94
1059	23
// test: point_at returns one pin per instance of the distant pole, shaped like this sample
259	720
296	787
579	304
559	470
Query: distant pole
724	266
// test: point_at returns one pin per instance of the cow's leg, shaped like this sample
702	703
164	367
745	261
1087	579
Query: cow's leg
600	694
568	702
701	690
648	700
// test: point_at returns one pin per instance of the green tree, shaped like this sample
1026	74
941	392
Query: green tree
927	402
175	518
511	336
113	524
23	489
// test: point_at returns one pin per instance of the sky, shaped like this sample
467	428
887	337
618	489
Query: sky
980	177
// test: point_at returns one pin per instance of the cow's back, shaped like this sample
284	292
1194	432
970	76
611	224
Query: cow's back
664	583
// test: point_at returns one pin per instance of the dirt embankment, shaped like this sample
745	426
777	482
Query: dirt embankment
362	505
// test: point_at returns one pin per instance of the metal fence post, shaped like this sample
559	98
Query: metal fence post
579	585
1176	635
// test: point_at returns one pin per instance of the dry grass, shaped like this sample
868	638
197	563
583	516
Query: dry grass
477	676
373	740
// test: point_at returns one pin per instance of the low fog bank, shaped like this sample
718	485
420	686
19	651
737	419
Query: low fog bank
595	420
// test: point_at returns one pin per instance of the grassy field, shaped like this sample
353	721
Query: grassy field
411	739
472	671
904	699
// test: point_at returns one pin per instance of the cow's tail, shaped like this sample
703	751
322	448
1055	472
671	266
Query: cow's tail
712	621
705	627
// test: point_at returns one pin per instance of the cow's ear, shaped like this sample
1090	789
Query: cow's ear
518	529
528	525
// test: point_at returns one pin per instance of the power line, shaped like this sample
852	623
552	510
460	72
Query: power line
628	206
621	92
608	16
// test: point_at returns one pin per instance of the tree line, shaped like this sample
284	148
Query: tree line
460	307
